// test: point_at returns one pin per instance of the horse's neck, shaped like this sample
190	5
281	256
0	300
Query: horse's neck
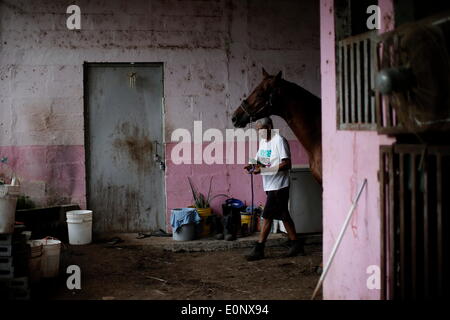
302	118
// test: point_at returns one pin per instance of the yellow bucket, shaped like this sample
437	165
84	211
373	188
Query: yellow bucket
246	219
205	228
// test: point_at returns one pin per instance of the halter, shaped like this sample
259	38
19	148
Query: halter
268	104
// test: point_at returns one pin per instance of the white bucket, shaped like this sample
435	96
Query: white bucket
35	260
79	224
185	233
8	202
50	257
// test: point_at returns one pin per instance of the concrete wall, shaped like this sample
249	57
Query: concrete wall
212	52
349	157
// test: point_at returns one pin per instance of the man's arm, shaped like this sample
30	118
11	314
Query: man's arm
284	165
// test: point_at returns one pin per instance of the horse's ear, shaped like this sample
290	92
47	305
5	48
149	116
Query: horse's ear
278	76
265	74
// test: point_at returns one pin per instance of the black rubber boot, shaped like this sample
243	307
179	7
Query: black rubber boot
296	248
257	252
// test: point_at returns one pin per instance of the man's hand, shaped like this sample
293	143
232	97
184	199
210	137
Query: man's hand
257	170
248	169
285	165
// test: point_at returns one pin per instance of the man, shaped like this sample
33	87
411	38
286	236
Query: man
273	161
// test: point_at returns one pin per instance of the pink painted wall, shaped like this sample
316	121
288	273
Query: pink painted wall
58	171
228	179
349	157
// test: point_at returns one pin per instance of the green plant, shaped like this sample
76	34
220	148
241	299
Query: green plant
200	200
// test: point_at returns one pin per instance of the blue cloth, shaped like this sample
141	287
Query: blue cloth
184	216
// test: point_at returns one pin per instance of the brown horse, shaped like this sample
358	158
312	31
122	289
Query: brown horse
297	106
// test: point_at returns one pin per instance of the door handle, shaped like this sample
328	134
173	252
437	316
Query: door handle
158	158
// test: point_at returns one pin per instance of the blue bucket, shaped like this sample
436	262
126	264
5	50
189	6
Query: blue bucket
235	203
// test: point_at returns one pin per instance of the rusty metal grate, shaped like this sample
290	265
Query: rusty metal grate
388	56
356	66
415	224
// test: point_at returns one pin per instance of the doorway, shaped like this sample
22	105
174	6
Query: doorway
124	144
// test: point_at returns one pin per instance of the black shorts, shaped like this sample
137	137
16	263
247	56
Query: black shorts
277	205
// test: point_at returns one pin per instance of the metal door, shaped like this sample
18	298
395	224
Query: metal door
124	139
414	189
305	201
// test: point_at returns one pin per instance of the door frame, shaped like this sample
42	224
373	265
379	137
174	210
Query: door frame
86	117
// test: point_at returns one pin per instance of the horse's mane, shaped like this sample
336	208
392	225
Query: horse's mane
300	95
295	89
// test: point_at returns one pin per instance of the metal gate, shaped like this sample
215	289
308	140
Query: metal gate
415	224
124	141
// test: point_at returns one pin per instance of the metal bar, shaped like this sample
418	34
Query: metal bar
359	84
392	248
383	212
413	228
339	239
373	52
387	105
426	235
402	226
388	112
378	98
341	86
396	62
440	235
358	126
352	83
366	80
358	38
346	87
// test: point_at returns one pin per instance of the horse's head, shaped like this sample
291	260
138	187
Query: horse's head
260	103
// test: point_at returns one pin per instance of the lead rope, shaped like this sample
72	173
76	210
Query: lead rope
252	221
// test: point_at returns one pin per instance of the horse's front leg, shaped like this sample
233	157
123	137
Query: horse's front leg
315	163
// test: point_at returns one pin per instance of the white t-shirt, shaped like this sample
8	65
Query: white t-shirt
270	153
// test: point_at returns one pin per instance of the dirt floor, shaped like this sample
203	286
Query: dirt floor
147	272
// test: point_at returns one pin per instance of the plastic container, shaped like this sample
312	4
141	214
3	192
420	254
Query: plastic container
184	233
235	203
277	225
8	202
205	225
79	224
246	219
35	260
51	249
246	223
